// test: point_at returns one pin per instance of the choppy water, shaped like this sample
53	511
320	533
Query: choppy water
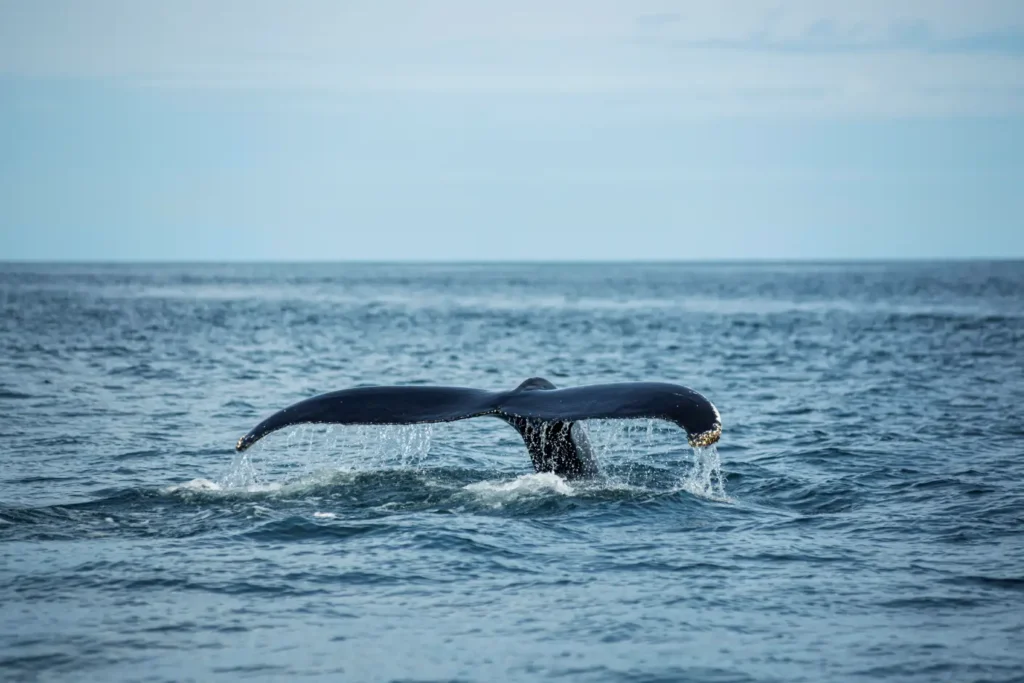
866	521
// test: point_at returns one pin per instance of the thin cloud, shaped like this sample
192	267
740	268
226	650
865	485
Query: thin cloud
869	57
910	36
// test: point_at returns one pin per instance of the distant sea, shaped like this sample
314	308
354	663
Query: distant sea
862	518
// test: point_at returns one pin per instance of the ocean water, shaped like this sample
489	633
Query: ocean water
862	518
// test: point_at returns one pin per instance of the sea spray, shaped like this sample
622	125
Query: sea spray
242	472
705	478
310	450
632	449
634	454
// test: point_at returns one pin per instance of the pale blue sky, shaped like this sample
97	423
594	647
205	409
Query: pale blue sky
458	130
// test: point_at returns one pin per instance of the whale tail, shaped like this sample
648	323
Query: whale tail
545	416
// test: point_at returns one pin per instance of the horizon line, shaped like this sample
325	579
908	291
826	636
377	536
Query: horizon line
539	262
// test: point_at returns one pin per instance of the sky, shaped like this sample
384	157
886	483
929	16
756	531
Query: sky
552	130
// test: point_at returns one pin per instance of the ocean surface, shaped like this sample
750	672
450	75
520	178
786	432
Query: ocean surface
862	518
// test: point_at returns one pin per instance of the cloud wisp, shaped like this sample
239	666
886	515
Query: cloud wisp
731	58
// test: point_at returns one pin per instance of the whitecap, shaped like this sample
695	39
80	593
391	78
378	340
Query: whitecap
497	493
205	486
193	486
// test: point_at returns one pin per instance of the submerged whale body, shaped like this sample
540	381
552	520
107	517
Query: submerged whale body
544	415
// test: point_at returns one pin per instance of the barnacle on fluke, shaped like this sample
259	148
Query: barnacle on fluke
705	439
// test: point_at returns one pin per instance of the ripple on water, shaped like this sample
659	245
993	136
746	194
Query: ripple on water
859	519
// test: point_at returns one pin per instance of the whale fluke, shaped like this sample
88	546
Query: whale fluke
542	414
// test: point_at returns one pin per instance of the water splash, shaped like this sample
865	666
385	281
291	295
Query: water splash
705	478
633	454
242	473
309	450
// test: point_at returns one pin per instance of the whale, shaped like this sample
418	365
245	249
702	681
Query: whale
546	417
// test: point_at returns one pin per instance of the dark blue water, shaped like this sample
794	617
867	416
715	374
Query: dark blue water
865	520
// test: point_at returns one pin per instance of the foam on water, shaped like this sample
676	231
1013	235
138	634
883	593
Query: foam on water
193	485
498	493
202	486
